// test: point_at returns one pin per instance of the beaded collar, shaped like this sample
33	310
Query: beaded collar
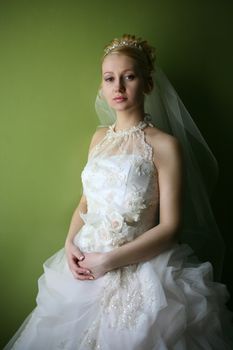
140	126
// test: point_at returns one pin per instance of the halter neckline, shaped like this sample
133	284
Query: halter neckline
140	126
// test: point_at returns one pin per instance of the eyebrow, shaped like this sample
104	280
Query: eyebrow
125	70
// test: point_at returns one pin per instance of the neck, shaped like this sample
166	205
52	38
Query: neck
127	119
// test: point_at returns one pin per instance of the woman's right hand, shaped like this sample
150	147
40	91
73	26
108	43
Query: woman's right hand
74	255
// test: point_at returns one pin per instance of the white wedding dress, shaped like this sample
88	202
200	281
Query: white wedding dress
169	302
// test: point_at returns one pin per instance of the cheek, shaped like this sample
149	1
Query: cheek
139	91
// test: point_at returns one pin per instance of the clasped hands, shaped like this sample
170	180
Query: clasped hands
85	266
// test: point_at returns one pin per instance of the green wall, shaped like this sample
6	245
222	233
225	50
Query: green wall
49	74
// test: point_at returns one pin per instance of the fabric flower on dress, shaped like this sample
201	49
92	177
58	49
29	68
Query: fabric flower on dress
134	204
143	167
109	230
114	229
116	222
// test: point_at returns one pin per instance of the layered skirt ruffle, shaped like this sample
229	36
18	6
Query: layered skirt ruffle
167	303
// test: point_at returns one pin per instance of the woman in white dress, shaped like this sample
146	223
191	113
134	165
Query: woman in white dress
123	279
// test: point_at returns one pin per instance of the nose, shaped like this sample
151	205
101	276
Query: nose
119	85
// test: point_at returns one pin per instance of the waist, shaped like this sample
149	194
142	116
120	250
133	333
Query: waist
106	231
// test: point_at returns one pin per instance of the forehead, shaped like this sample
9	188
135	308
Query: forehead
118	62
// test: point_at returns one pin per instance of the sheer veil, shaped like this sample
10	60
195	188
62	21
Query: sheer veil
166	111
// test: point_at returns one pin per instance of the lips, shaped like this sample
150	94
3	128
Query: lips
119	99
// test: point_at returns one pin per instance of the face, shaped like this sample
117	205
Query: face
122	83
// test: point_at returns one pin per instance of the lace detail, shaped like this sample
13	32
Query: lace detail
127	300
134	204
126	132
126	141
125	307
90	336
143	167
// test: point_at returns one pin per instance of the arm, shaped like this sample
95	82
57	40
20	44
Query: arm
73	253
161	237
76	221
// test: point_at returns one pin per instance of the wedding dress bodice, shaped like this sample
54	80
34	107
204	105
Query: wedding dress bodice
121	187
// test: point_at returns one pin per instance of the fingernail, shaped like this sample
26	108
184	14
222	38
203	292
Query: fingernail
88	271
91	278
81	257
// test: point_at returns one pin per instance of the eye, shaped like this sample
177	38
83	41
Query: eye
108	79
130	77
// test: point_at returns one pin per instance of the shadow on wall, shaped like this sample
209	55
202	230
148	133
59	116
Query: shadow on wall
212	113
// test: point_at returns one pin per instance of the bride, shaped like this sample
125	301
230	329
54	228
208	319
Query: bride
127	277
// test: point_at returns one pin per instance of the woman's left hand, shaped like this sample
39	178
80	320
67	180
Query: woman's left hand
96	263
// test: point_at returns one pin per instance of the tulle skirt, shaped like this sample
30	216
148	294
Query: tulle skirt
169	302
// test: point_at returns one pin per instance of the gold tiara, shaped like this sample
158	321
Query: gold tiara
123	43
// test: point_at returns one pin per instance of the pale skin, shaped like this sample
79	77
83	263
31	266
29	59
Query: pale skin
121	77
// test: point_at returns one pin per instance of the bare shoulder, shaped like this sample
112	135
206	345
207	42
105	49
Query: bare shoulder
166	148
98	136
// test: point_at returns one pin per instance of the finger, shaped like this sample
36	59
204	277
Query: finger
82	270
72	265
78	269
75	266
81	257
83	277
74	260
80	277
78	254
